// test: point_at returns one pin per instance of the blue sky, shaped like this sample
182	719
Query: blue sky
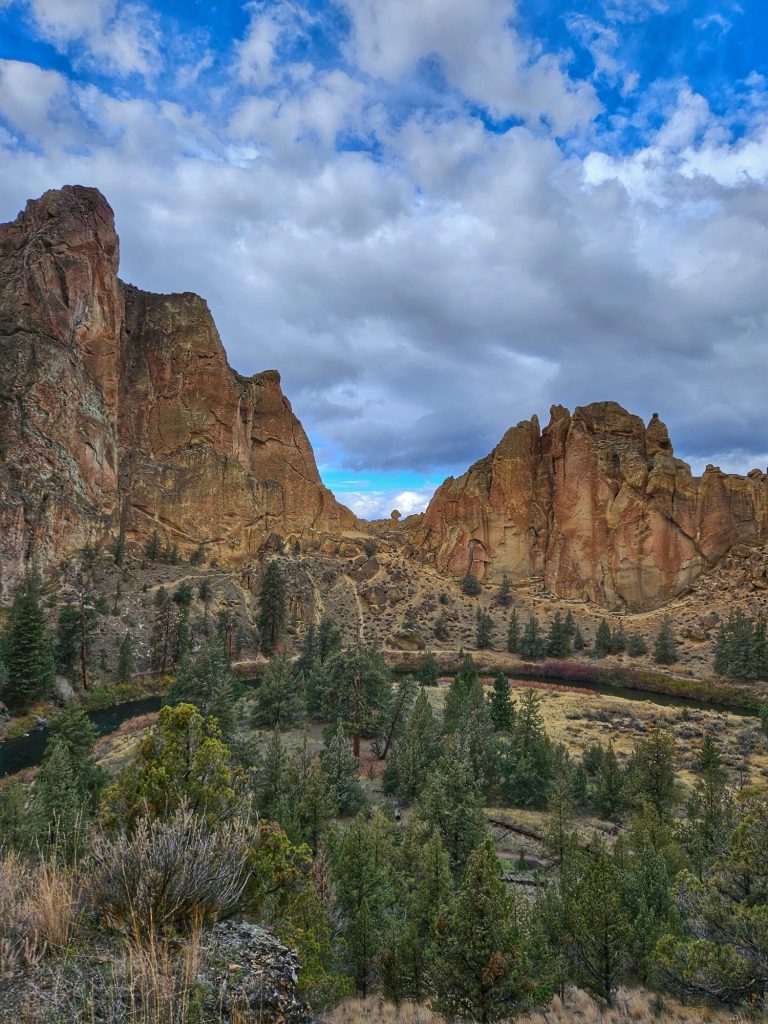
435	218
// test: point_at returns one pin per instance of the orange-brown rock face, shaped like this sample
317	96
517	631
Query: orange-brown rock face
597	505
119	412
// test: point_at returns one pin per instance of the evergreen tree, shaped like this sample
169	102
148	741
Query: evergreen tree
451	803
665	645
596	922
532	645
470	585
428	671
58	815
484	625
505	592
578	640
602	639
271	618
442	631
328	638
526	762
560	840
28	654
208	682
559	637
359	692
636	645
339	766
181	760
205	593
126	663
317	803
513	633
645	884
739	648
77	732
316	683
361	856
278	702
153	548
458	693
502	709
651	771
475	738
482	971
274	779
68	640
618	640
414	752
610	798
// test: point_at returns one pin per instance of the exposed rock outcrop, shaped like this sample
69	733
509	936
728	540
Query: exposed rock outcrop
119	413
597	506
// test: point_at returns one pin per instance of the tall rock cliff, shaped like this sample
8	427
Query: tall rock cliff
119	413
597	506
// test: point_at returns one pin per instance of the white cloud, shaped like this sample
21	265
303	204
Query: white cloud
381	504
121	37
480	51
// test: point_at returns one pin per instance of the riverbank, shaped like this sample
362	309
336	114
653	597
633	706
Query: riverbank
607	673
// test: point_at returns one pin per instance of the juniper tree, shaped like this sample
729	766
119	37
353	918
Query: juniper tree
665	645
513	633
414	752
636	645
610	797
532	645
482	970
505	592
278	698
359	691
451	803
317	803
502	709
28	653
651	771
126	662
470	585
271	617
458	693
484	625
602	639
339	766
559	637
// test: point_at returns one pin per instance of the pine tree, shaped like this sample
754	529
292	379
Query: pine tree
153	548
205	593
560	839
75	729
484	625
578	640
558	638
665	645
58	810
415	751
359	692
618	640
271	618
328	638
610	797
526	762
317	803
502	708
602	640
68	640
482	971
361	856
458	693
208	682
451	803
652	773
316	683
28	653
636	645
531	644
126	662
505	592
470	585
596	922
513	633
475	738
428	670
339	766
278	703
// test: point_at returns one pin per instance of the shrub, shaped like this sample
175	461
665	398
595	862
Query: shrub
167	872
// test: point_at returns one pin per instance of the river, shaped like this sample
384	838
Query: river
27	751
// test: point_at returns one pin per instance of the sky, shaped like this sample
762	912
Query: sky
434	217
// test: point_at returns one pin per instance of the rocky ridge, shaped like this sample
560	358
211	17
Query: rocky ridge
596	506
119	414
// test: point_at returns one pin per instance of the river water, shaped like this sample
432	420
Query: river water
27	751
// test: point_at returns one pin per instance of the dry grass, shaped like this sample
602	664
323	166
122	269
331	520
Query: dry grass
632	1007
38	909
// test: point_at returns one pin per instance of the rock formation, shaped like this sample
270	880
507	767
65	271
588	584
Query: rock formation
596	505
119	413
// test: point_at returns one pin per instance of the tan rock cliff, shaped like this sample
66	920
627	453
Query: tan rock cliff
120	413
597	505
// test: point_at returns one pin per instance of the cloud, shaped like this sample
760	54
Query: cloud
480	52
380	504
120	38
421	276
